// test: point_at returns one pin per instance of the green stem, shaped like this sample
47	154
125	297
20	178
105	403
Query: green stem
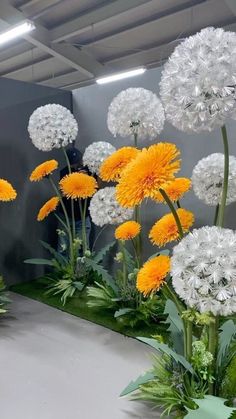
216	214
124	264
98	235
135	139
136	254
220	222
61	221
174	212
178	204
71	201
189	340
66	217
138	239
83	219
213	348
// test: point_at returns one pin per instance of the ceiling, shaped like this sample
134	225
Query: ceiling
76	41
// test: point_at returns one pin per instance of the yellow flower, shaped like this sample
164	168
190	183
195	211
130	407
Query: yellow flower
165	230
127	230
78	185
152	275
47	208
112	168
175	189
7	192
144	176
43	170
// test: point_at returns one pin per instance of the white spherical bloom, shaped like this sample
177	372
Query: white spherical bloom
136	110
95	154
52	126
203	269
197	86
208	177
104	208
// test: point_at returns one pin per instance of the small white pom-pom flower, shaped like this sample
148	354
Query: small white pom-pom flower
95	154
197	86
136	110
203	269
104	208
52	126
208	177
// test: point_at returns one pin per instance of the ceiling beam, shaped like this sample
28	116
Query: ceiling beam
41	38
38	8
93	17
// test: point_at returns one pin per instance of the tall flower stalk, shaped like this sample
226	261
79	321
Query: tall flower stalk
226	177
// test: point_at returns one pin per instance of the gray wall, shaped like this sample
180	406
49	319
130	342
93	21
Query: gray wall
90	108
20	232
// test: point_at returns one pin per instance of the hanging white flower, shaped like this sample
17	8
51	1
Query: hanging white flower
136	110
208	176
104	208
52	126
203	269
95	154
197	86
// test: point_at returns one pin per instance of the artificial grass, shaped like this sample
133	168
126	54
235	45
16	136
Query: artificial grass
78	307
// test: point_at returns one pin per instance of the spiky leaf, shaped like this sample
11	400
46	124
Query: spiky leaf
210	407
61	259
122	312
102	253
102	272
134	385
39	262
228	331
176	327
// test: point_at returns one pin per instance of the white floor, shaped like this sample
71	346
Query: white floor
56	366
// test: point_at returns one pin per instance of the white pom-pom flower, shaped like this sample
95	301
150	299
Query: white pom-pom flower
203	269
197	86
95	154
52	126
208	177
136	110
104	208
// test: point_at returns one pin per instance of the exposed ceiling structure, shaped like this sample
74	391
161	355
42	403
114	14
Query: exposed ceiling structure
76	41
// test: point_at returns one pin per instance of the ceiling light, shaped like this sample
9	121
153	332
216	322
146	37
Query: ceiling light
16	31
120	76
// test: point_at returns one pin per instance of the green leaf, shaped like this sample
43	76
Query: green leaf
122	312
101	271
102	253
78	285
39	262
61	259
228	331
210	407
162	347
176	327
134	385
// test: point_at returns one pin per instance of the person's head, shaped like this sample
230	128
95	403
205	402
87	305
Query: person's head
74	156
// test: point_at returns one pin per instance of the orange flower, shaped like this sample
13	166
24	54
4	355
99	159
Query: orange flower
44	169
112	168
78	185
127	230
47	208
7	192
144	176
175	189
165	230
152	275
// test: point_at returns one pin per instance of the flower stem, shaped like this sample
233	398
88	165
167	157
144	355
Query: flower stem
71	201
138	239
216	214
124	264
189	339
213	330
174	212
220	222
135	139
83	219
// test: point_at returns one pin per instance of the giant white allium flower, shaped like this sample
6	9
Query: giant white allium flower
203	269
52	126
136	110
208	177
197	86
104	208
95	154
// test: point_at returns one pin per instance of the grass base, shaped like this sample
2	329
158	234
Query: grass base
77	306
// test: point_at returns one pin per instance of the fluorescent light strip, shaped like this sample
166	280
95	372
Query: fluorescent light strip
16	31
120	76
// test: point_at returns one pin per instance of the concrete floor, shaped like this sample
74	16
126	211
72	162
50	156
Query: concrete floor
56	366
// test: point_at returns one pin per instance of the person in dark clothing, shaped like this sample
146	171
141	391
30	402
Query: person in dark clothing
76	164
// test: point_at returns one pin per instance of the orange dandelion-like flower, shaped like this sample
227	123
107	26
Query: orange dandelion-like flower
44	169
165	230
128	230
112	168
78	185
175	189
47	208
143	177
152	275
7	192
